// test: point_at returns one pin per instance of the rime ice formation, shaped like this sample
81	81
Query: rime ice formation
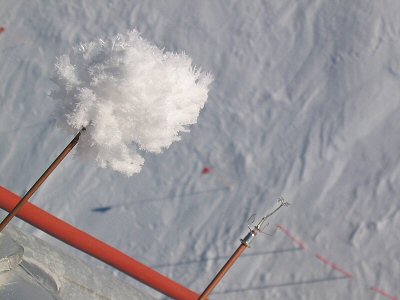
130	96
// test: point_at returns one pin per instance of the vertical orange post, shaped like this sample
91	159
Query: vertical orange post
40	181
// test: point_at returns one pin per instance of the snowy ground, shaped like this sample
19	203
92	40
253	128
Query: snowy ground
33	270
305	104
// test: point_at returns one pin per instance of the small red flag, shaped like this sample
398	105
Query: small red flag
206	170
2	29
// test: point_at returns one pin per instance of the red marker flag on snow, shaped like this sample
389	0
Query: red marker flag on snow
206	170
2	29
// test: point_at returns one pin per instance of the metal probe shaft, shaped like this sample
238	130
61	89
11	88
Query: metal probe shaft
244	243
40	181
222	272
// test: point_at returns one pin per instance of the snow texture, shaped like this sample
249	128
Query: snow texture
130	96
305	104
38	271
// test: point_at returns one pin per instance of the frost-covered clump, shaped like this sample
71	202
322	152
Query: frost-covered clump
129	95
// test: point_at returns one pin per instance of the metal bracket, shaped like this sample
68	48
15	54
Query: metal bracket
262	224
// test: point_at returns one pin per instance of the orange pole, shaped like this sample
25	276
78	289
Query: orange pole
98	249
223	271
39	182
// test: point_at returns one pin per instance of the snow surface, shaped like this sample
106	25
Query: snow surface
127	94
38	271
305	104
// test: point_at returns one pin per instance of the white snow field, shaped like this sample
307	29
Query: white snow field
305	103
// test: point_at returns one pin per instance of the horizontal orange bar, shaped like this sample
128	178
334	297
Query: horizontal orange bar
94	247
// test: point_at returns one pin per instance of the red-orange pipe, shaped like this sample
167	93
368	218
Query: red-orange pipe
92	246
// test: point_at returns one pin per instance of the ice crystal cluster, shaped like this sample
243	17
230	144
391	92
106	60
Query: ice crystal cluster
130	96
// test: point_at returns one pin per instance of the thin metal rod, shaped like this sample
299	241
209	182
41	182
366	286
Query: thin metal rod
39	182
245	243
222	272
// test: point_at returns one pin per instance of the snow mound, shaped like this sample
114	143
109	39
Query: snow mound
11	253
130	96
35	270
